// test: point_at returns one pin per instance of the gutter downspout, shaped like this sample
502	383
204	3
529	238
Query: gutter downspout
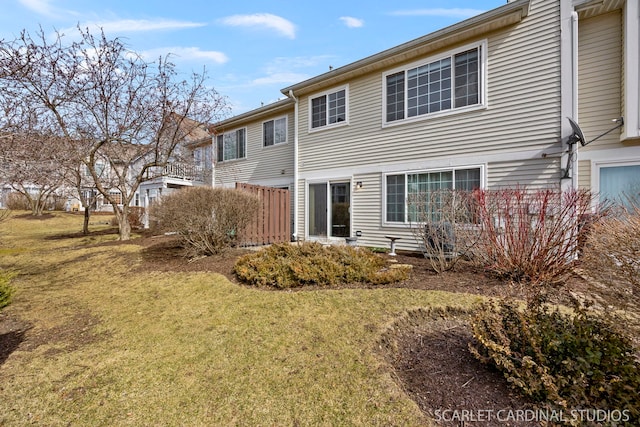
213	161
295	166
574	92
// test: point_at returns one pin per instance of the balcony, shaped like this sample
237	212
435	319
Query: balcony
180	171
184	171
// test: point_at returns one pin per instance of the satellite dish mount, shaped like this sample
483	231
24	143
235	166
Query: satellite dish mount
578	136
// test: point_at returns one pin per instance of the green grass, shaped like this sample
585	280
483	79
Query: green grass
189	348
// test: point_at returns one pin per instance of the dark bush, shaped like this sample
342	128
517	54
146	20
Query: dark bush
287	266
6	290
562	361
208	220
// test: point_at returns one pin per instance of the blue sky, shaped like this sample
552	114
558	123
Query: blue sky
250	48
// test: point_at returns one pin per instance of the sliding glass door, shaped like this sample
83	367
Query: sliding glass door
329	212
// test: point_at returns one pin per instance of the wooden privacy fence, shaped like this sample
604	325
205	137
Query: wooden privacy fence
273	222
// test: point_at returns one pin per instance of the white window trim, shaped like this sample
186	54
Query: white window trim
327	93
386	223
286	134
596	165
246	146
631	55
483	85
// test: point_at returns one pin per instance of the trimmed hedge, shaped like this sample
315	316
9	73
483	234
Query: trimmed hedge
289	266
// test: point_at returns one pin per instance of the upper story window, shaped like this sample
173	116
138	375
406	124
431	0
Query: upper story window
444	84
274	132
232	145
329	109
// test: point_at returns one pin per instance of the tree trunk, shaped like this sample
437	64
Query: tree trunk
124	227
37	207
85	225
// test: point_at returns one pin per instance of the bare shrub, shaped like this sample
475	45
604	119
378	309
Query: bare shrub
136	216
444	223
208	220
611	252
17	202
531	235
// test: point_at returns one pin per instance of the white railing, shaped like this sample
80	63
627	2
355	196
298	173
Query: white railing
184	171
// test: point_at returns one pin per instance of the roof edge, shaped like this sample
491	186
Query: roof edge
511	7
256	113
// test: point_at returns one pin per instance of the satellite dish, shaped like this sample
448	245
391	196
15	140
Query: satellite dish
577	135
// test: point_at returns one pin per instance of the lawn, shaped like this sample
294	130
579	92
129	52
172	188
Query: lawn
106	342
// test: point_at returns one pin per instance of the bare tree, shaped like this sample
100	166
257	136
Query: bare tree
83	187
109	103
30	164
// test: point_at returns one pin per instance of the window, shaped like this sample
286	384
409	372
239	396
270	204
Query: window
231	145
116	196
329	109
445	84
207	156
274	132
410	195
619	184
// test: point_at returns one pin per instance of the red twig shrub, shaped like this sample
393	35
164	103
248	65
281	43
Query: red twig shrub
530	235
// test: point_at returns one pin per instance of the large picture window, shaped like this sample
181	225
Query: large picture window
231	145
444	84
410	195
329	109
274	132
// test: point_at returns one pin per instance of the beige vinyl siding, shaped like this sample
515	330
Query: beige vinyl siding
584	174
523	104
366	210
533	173
600	78
262	165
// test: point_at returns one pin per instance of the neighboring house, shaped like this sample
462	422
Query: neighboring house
190	165
257	147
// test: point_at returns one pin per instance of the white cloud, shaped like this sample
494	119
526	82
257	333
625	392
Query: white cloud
186	54
446	13
280	78
352	22
42	7
284	71
138	25
262	20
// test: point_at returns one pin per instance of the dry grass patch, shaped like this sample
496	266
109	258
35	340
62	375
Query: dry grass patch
189	348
